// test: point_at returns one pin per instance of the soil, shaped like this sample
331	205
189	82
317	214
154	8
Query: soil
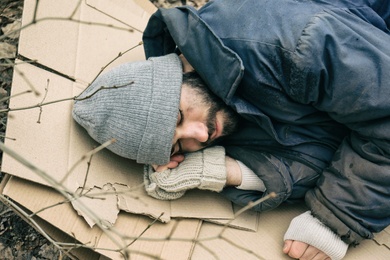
18	240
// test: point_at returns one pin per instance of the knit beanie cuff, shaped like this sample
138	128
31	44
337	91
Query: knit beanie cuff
163	111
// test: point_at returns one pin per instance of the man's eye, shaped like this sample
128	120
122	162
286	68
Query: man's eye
180	117
180	148
176	148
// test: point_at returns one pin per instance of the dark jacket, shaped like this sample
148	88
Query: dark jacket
312	79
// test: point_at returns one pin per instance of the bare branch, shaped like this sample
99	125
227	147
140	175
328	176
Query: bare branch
87	155
76	98
18	94
86	175
40	104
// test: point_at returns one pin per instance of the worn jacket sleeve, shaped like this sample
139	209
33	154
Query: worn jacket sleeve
348	77
288	179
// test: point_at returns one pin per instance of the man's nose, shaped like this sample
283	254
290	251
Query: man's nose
195	130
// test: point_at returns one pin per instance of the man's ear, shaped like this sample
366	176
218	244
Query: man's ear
186	65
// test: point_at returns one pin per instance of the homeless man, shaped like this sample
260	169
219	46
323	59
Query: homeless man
147	106
311	81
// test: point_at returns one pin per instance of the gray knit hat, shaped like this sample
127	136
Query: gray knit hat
141	114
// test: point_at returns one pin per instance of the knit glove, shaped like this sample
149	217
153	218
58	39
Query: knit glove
308	229
153	190
204	169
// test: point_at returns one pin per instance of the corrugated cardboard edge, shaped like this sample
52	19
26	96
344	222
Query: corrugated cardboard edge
383	238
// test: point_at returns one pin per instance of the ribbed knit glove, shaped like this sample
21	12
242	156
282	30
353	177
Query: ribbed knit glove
154	191
204	169
308	229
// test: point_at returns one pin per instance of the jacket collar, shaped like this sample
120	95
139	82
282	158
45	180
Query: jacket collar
181	28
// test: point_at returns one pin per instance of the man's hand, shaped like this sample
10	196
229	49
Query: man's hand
204	169
308	238
175	160
303	251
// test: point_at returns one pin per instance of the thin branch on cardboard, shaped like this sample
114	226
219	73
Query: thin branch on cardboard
173	229
21	74
249	206
6	137
35	11
143	232
115	18
114	59
76	9
49	207
86	175
208	250
86	156
43	99
102	88
101	71
97	196
75	98
69	19
18	94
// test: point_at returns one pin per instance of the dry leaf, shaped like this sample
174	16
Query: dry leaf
12	27
7	51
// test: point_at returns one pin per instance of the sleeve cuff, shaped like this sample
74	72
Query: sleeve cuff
249	180
308	229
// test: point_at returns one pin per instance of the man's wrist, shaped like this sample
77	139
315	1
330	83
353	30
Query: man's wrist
233	172
249	179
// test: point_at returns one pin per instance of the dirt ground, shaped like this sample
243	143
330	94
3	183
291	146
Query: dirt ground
18	240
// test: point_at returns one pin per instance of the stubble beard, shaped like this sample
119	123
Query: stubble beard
230	122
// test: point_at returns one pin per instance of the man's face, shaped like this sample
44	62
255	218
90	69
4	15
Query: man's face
200	122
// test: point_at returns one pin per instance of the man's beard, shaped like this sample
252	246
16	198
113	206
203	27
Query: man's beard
230	121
